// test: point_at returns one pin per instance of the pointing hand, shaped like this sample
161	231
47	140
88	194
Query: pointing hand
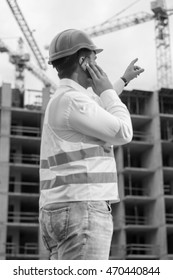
132	71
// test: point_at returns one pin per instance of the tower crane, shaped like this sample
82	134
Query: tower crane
20	59
162	36
21	62
27	33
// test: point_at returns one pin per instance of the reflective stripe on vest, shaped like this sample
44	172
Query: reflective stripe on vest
64	158
80	178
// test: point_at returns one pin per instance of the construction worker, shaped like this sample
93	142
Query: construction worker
78	176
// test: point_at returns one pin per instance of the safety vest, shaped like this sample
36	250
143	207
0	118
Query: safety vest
75	171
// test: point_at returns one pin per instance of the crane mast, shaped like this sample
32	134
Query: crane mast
163	49
21	62
162	37
27	33
19	59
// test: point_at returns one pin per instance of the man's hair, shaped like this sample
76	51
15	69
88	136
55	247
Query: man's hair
66	66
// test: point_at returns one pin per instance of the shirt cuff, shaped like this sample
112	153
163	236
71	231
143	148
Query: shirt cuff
119	86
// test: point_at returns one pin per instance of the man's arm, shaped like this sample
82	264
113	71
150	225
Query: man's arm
111	124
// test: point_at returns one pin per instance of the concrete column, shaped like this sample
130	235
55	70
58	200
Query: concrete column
157	192
45	97
5	123
45	100
43	253
119	238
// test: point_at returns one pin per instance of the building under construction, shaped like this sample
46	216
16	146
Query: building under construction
143	220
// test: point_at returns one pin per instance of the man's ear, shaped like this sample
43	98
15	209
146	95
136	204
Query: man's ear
83	62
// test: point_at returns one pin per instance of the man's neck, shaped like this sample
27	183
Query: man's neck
80	80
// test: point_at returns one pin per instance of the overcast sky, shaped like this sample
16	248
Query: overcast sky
47	18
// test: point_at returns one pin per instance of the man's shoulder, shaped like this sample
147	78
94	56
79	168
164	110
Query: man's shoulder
74	94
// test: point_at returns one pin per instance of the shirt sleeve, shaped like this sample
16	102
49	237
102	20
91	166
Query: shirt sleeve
111	124
119	86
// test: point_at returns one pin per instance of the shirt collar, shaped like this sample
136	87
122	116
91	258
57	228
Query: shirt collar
74	85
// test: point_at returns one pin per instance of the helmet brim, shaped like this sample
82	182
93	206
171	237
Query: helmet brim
98	50
64	54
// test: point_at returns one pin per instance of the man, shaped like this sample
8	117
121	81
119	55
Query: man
78	177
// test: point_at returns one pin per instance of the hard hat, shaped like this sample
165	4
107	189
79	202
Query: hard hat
69	42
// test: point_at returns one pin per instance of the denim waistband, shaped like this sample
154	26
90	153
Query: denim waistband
54	205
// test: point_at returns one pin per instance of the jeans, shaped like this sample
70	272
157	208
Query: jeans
77	230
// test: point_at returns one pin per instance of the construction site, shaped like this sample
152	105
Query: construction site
143	219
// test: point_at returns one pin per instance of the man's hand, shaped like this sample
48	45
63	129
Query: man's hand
132	71
100	81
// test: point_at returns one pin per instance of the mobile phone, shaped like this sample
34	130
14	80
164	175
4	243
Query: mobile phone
85	63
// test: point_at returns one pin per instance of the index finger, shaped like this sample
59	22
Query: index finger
133	61
91	71
95	69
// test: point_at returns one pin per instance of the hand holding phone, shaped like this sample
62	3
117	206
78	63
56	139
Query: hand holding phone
100	81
